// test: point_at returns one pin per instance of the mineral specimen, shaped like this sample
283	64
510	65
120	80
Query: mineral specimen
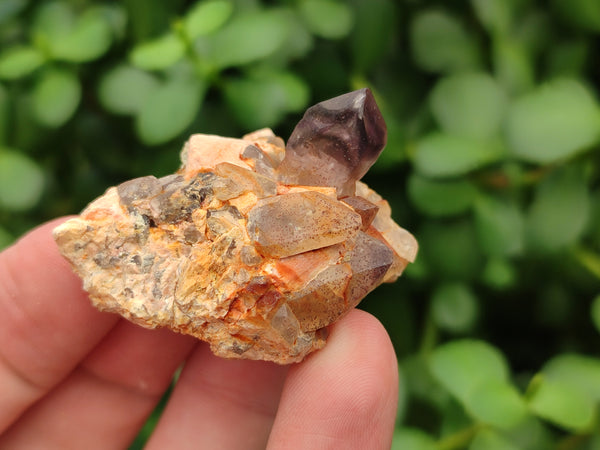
251	246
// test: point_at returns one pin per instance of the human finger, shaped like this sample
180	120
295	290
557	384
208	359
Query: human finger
47	324
105	401
219	403
343	396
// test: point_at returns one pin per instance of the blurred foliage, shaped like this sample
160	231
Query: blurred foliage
492	161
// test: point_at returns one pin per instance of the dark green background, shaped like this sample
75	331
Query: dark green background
492	162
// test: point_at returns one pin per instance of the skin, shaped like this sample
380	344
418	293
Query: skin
73	377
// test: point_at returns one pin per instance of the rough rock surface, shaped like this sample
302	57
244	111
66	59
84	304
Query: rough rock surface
250	246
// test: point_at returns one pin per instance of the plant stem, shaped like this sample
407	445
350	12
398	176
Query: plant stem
429	337
460	439
588	259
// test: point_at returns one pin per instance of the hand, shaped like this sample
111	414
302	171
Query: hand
72	377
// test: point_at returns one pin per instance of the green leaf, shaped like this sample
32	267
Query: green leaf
329	19
124	89
264	98
576	371
10	8
562	405
450	250
441	198
56	95
420	383
21	181
500	226
88	39
471	105
462	366
116	17
531	434
595	312
371	37
488	439
17	62
413	439
168	111
455	421
250	37
454	307
206	17
560	210
69	37
446	155
499	273
52	20
582	13
554	122
497	403
440	43
495	15
159	53
513	66
298	43
6	238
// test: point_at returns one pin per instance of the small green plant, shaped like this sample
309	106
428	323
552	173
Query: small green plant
492	161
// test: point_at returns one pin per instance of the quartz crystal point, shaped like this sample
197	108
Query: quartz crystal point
335	143
250	246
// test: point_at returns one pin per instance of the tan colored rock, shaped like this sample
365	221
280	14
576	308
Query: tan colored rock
225	251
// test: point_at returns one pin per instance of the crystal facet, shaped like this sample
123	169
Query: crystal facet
247	246
364	208
289	224
335	143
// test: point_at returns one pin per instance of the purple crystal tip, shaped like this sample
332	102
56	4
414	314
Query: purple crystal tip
335	143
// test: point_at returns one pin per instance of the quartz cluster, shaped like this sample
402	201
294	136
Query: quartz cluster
252	246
